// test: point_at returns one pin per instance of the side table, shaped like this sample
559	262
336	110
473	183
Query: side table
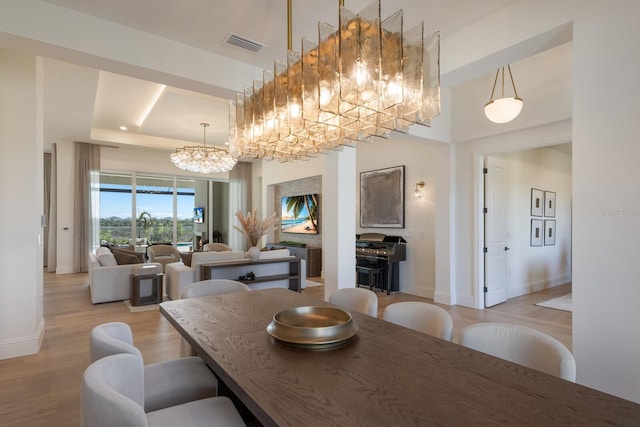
146	286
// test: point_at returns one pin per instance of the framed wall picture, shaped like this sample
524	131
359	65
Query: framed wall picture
537	202
536	232
382	198
549	232
550	204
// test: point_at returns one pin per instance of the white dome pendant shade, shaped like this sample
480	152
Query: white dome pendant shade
505	109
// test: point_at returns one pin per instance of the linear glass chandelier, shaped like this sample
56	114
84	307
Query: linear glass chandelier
203	159
367	78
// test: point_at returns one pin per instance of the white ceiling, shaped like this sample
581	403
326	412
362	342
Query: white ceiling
82	104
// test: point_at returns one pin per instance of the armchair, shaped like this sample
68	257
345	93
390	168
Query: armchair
163	254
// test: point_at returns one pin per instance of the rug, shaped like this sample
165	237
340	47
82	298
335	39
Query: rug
140	308
560	303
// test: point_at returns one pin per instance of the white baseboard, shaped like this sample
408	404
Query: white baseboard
418	291
443	298
528	288
466	301
22	346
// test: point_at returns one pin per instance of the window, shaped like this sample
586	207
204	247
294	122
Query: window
154	210
160	212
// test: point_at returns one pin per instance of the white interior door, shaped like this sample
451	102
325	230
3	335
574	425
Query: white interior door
495	232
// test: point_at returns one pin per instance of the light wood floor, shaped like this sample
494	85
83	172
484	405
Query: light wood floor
44	389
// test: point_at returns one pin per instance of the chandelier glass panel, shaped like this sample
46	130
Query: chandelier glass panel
365	79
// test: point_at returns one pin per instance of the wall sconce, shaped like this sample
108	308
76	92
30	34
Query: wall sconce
418	193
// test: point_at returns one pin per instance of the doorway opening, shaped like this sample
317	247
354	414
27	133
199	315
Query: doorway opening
525	225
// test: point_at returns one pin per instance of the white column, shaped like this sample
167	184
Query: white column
606	200
21	204
339	223
445	292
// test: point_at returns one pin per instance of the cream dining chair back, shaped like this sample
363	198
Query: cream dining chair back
205	288
422	317
357	299
166	383
521	345
113	394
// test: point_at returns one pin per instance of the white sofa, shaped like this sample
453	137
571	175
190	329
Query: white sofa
179	275
109	281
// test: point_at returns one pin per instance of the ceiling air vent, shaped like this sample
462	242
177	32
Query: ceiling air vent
243	43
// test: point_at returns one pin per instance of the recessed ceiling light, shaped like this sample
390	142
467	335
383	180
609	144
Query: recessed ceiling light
123	128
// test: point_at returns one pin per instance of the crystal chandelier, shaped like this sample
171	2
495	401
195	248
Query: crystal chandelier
365	79
203	159
505	109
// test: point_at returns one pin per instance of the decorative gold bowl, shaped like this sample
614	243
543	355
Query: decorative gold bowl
313	326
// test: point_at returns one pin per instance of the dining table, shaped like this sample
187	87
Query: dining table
384	375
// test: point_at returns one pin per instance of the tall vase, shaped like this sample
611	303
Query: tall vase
254	253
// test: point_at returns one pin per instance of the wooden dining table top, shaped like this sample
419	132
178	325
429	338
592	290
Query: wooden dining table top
386	375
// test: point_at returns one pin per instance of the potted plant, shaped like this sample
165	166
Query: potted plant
254	228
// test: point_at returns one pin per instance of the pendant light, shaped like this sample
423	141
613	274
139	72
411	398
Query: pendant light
504	109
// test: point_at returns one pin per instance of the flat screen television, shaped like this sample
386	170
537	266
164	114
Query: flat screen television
299	214
198	215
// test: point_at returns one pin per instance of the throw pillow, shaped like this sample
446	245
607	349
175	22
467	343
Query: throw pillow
186	258
124	256
107	260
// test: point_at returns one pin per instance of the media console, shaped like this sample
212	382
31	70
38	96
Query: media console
270	271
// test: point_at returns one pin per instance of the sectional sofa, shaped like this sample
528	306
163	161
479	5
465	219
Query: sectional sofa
109	280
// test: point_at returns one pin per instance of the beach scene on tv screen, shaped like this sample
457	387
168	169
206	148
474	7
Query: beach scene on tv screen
300	214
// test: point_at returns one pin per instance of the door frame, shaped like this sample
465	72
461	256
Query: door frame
510	145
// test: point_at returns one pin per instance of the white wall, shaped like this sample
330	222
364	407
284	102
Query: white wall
533	268
65	158
21	204
606	342
605	198
417	273
542	81
469	196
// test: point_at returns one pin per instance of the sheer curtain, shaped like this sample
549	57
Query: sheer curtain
86	204
46	204
52	216
239	196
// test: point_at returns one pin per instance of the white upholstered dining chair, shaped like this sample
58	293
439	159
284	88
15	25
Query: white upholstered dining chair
357	299
521	345
167	383
422	317
113	394
213	287
204	288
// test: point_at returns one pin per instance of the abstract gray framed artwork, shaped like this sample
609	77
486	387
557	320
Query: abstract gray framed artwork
382	198
537	202
536	232
549	232
550	204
